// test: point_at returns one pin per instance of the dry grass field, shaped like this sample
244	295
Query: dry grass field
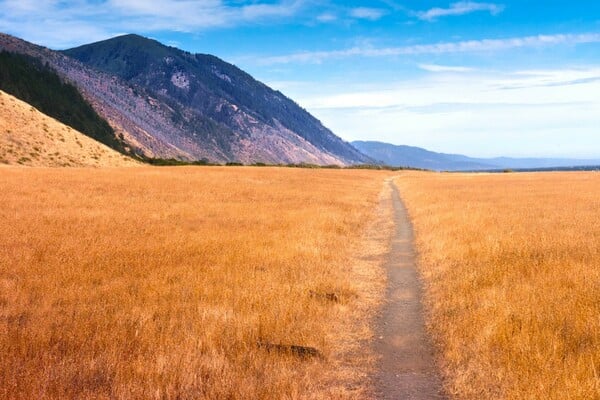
28	137
512	269
160	283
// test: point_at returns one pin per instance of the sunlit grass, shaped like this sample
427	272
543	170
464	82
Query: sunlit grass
162	282
512	269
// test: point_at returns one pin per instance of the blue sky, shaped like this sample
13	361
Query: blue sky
483	78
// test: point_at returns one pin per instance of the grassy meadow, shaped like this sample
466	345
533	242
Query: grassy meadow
192	283
180	283
511	264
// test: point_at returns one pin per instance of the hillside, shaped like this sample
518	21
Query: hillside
166	103
416	157
28	137
29	80
143	123
239	113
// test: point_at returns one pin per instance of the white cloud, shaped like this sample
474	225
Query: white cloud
199	14
443	68
326	17
467	46
460	8
258	11
372	14
56	33
545	112
535	87
61	24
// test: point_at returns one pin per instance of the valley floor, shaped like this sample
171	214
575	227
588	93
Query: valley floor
237	282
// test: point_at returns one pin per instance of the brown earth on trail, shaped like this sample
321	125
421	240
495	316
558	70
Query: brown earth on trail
28	137
407	369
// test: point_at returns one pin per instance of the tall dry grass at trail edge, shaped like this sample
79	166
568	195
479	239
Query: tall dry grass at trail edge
511	264
160	283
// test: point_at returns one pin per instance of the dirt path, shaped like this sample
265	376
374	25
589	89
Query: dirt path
407	369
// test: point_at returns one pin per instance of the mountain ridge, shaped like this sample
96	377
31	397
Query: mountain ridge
417	157
119	103
222	94
155	116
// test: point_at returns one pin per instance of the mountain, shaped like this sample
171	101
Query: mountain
29	80
542	163
29	137
216	102
165	103
140	121
416	157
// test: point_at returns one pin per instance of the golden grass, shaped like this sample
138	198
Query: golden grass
28	137
512	268
158	283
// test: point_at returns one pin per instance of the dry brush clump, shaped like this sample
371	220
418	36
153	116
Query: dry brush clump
511	264
167	282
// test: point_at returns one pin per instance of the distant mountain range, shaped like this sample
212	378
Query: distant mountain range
416	157
161	102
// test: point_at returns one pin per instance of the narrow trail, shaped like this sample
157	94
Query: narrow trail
407	369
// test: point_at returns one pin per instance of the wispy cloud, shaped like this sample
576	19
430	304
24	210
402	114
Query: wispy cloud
60	23
199	14
371	14
460	8
326	17
529	79
536	87
444	68
468	112
484	45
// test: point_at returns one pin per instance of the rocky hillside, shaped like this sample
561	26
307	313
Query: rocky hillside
166	103
29	80
145	124
223	94
28	137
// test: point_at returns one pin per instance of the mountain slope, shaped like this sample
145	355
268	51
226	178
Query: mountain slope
28	137
29	80
258	123
408	156
142	122
164	122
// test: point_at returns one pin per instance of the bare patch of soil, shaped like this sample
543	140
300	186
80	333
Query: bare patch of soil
407	368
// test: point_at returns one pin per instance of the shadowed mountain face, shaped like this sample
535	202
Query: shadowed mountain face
416	157
241	117
29	137
28	80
